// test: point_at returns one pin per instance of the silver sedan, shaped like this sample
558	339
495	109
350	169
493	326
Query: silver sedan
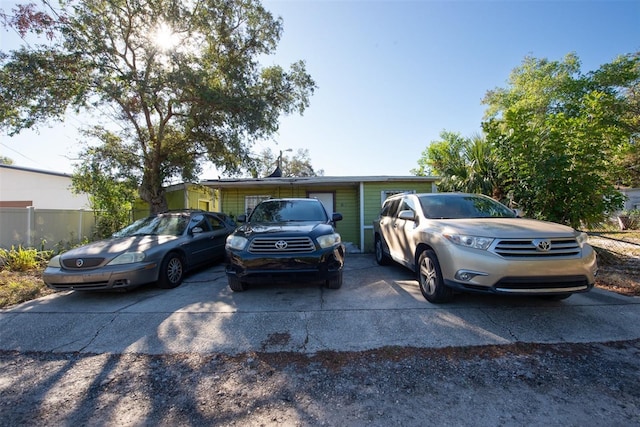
159	248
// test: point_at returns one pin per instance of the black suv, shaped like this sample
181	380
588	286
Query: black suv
284	239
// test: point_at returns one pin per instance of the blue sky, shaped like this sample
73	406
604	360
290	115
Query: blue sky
392	75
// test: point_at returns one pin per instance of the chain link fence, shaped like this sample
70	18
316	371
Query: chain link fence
617	244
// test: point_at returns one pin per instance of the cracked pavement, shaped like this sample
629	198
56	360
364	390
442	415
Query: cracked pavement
377	307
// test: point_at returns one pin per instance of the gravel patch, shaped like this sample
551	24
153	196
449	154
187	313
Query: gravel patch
519	384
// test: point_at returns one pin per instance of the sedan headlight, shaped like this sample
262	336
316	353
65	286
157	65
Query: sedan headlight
474	242
329	240
127	258
237	243
54	262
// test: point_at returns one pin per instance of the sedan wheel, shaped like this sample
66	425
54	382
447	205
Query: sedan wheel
171	272
430	279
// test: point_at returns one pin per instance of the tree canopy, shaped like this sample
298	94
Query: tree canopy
464	164
556	141
560	135
181	82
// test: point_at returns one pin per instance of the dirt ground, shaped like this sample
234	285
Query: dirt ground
521	384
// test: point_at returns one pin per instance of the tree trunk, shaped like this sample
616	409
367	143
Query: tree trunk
153	194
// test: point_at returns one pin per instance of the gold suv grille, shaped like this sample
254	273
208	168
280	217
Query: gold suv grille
537	248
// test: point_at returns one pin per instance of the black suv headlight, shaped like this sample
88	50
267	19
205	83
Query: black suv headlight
237	243
328	240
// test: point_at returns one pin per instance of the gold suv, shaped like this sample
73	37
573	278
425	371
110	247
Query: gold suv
472	243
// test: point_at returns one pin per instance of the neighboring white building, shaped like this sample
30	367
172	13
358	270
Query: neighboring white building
633	198
22	187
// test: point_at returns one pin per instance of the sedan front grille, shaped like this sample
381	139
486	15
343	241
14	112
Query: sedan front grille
81	263
537	248
285	245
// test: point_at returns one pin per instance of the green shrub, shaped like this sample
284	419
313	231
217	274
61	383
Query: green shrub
22	259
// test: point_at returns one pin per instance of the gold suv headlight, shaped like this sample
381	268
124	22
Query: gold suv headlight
582	238
475	242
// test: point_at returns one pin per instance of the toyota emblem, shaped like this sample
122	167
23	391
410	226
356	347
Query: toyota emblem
79	262
281	244
542	245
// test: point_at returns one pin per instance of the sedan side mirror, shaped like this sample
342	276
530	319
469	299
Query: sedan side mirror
196	230
336	217
242	218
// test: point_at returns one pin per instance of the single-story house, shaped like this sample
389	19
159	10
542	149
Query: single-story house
357	198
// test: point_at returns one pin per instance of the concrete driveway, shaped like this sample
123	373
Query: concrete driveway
376	307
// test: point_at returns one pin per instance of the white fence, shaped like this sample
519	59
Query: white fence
44	228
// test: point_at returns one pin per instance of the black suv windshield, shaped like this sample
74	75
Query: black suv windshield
289	210
449	206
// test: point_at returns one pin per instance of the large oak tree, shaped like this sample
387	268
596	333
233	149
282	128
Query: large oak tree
181	80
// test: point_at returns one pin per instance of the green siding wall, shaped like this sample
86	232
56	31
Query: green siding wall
175	199
348	204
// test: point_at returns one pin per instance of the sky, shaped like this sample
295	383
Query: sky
392	75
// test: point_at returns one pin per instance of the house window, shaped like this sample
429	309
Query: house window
251	202
384	194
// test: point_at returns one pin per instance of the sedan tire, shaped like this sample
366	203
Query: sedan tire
171	271
430	279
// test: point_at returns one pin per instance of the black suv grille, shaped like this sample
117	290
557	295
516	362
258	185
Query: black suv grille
261	245
534	248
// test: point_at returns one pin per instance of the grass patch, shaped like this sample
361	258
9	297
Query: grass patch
20	286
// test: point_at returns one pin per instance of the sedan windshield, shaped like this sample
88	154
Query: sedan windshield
289	210
463	206
171	225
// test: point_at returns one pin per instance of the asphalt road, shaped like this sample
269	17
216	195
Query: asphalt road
376	307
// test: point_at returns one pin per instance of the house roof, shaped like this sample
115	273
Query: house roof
40	171
312	180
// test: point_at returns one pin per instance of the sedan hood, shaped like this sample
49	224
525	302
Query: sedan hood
507	228
109	248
